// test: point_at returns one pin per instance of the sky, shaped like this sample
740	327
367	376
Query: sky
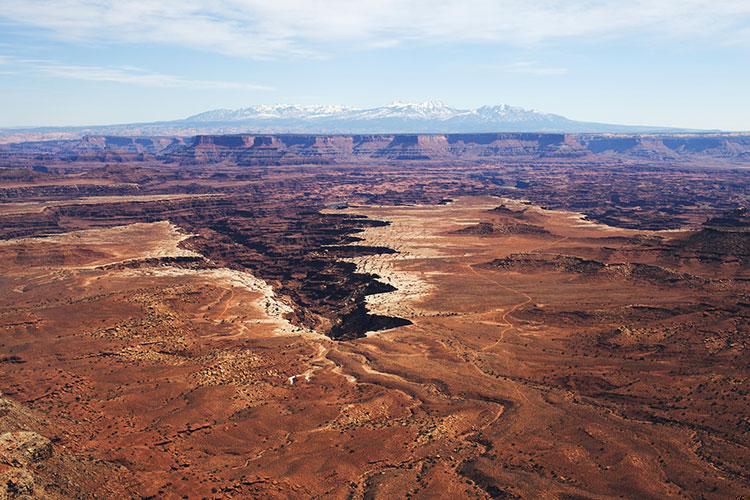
678	63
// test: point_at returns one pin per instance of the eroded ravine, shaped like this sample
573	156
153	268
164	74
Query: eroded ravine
526	369
500	358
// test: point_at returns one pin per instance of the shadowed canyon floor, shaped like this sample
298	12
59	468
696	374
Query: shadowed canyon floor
370	333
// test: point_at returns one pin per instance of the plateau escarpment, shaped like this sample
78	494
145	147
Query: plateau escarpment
254	149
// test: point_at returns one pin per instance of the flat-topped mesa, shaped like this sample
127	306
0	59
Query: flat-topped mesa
221	141
479	146
274	149
300	148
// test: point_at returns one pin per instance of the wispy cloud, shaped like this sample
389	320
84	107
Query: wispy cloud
282	28
136	76
126	75
533	68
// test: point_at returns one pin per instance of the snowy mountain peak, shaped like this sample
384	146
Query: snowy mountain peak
398	116
269	111
418	110
433	110
424	105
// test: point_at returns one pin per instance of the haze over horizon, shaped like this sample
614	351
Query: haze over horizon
669	63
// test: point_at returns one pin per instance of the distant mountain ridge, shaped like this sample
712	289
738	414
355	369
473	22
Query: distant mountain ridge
401	117
429	110
395	118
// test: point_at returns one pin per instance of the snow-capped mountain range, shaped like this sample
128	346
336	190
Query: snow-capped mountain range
423	117
429	116
428	110
397	117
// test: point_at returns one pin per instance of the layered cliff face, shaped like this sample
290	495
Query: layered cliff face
264	149
90	148
249	149
274	149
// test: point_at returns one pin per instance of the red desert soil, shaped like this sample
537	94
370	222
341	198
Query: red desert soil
375	317
538	362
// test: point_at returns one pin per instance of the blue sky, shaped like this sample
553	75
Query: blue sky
683	63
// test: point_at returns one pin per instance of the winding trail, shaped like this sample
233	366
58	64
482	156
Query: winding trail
506	323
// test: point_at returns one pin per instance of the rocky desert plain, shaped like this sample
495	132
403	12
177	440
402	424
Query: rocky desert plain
385	316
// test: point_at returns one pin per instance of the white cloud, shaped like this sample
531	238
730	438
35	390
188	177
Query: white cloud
268	29
127	75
